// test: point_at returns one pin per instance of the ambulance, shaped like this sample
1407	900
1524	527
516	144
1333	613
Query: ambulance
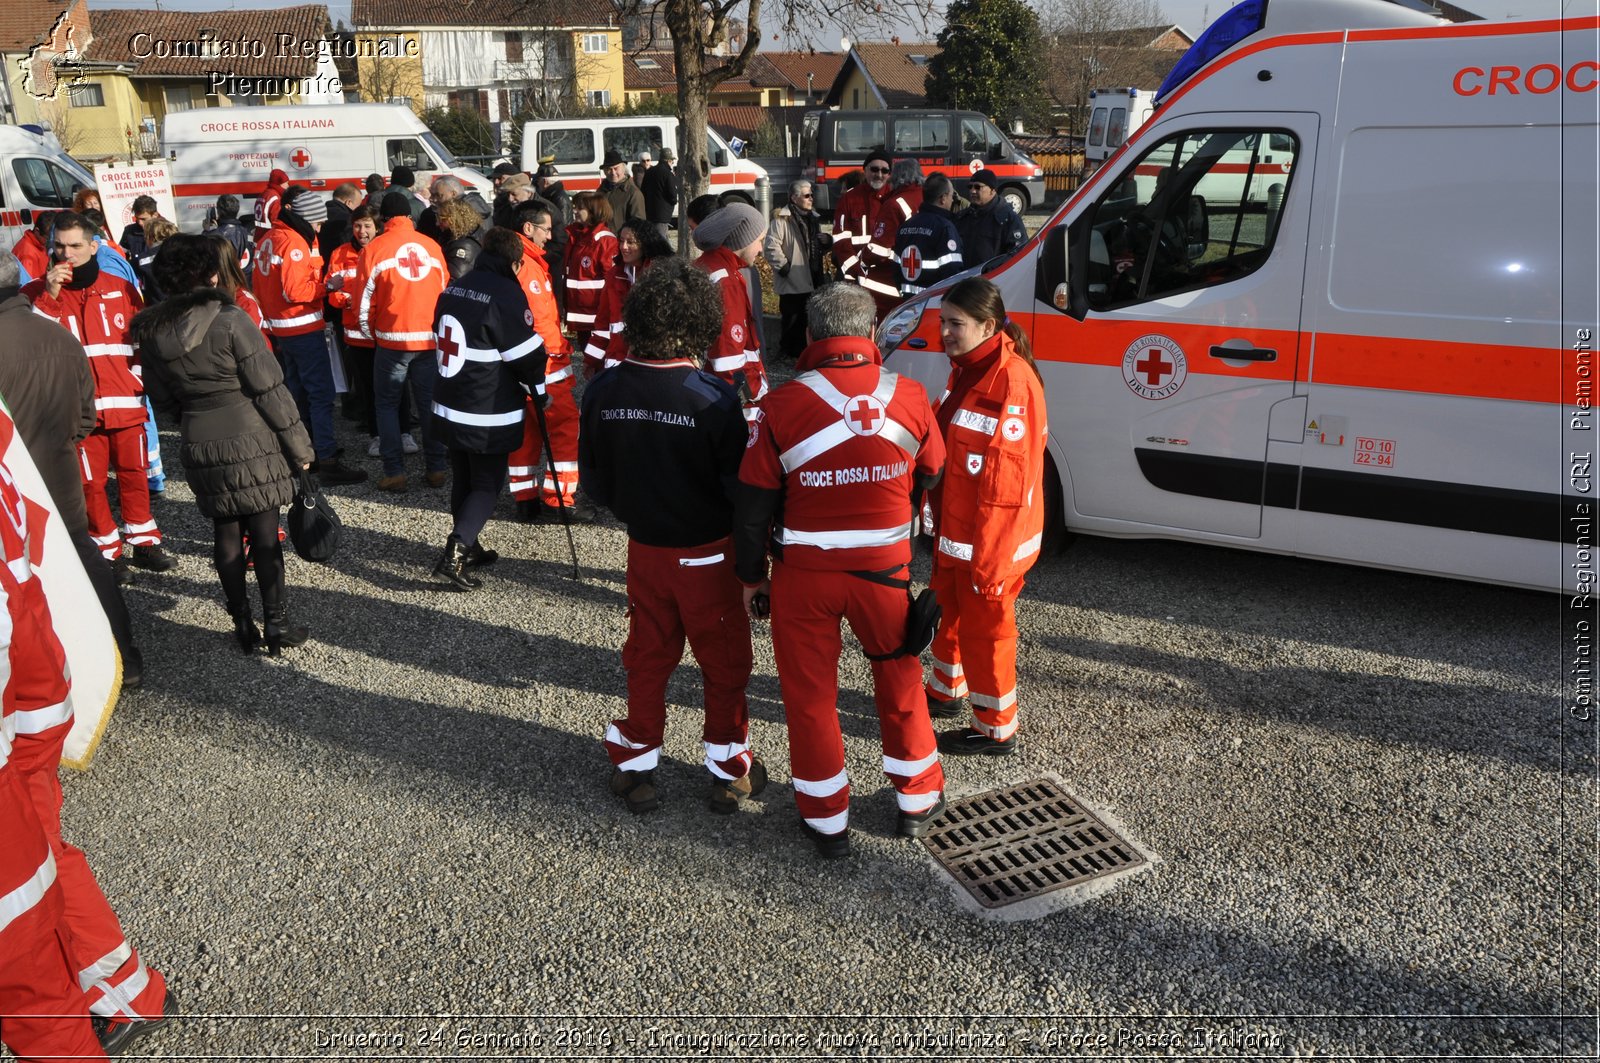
36	175
320	146
1113	115
577	147
1388	360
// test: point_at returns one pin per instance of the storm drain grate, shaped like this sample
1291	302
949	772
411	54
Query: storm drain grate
1019	842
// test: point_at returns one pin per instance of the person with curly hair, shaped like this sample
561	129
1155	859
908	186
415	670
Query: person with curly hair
660	444
639	244
205	359
463	230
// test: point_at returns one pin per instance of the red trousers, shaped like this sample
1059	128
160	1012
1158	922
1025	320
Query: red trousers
561	418
122	449
807	606
673	594
975	652
46	1014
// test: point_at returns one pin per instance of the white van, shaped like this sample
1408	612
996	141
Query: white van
35	175
579	144
1114	115
320	146
1386	361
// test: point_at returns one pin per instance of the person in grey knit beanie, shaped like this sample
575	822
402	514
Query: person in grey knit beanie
735	227
310	206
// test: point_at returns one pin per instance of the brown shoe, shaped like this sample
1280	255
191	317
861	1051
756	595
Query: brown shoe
726	794
438	478
636	788
392	483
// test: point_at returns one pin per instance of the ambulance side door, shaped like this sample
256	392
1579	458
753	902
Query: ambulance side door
1189	263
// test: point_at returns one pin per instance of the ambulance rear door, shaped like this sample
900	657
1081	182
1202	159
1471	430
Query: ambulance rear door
1187	352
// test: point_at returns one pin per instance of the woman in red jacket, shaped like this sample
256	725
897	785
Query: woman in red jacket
639	243
988	515
591	248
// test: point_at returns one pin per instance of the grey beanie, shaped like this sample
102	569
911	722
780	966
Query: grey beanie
733	226
310	206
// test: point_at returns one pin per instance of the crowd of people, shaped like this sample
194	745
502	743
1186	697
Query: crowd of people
469	332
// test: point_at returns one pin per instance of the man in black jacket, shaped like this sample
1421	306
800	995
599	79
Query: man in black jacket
660	444
989	227
230	228
660	188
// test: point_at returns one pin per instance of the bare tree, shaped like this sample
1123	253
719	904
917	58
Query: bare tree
1088	49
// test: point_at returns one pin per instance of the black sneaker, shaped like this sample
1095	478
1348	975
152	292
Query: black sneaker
115	1037
916	824
121	572
945	710
336	472
969	741
829	846
153	558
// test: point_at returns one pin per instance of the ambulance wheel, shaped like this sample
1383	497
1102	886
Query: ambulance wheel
1015	198
1056	537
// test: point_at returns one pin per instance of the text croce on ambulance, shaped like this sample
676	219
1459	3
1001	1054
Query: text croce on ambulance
1385	356
320	146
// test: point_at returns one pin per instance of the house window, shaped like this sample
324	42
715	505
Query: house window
644	62
86	94
179	97
596	43
599	97
513	47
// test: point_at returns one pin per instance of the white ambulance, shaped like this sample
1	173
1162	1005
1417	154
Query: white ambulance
579	145
1388	360
1114	114
320	146
35	175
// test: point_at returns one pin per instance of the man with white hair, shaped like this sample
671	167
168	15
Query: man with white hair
794	249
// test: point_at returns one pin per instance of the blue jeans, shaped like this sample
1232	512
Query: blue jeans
309	376
391	371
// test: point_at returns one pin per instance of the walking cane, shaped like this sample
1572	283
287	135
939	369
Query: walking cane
561	498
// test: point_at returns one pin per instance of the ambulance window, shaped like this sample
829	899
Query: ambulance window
1117	129
857	136
408	152
922	136
1097	127
632	140
438	153
568	146
972	136
44	184
1200	208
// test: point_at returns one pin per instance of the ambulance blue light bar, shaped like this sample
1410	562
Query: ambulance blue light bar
1239	22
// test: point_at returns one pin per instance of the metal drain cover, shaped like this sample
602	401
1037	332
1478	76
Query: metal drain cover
1022	841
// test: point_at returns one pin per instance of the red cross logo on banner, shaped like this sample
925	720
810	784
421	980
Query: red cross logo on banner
411	262
449	345
1155	366
911	263
864	415
301	158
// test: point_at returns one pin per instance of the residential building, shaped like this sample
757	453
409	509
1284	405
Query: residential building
876	75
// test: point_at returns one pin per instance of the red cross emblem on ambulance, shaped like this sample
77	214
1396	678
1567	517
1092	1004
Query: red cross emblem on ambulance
1154	367
301	158
864	415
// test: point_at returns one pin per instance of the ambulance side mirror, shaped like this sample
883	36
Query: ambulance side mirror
1058	283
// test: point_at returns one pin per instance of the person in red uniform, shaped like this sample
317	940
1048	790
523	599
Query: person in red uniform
859	221
731	239
988	515
639	243
97	307
882	265
345	263
33	247
661	444
834	460
535	221
398	281
591	249
269	203
128	997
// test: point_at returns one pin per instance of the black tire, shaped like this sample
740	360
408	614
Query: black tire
1017	197
1056	537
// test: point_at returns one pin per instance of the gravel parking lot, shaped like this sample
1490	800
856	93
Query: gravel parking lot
1376	834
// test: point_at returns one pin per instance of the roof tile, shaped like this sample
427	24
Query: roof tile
518	14
119	38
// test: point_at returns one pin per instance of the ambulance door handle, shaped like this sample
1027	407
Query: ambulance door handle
1243	353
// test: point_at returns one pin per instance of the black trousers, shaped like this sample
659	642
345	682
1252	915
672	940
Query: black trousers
475	483
792	313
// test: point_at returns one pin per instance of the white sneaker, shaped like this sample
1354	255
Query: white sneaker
408	444
375	449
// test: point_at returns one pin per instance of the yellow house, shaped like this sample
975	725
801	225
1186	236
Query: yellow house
51	79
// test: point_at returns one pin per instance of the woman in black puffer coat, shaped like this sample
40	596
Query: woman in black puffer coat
204	358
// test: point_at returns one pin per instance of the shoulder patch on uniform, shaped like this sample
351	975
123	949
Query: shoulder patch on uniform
1013	429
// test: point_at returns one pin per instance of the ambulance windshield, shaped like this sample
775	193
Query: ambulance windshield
436	148
1240	21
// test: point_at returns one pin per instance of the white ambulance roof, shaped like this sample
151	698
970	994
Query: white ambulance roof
1306	16
304	118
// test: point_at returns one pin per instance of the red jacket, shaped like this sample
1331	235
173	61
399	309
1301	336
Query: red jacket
845	441
590	252
882	264
399	280
269	203
858	229
535	281
346	262
288	282
98	317
737	349
32	253
607	345
989	508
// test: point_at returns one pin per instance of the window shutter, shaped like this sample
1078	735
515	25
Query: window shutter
513	47
483	104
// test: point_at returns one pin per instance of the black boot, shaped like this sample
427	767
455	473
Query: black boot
279	631
244	626
452	564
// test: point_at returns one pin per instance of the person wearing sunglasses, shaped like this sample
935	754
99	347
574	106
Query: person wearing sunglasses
793	248
989	227
859	224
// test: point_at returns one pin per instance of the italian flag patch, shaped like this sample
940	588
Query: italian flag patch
1018	410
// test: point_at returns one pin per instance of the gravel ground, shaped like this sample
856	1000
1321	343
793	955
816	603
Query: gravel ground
1375	837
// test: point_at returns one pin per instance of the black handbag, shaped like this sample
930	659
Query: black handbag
922	614
314	528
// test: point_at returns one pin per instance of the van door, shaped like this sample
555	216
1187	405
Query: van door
1191	336
630	141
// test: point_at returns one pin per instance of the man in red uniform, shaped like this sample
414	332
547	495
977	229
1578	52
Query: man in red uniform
860	221
832	464
731	239
398	282
112	981
882	264
269	203
97	308
32	248
535	222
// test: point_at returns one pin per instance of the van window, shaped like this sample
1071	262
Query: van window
408	151
44	184
808	136
629	140
1200	208
1117	127
857	136
922	136
972	137
1097	127
570	147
